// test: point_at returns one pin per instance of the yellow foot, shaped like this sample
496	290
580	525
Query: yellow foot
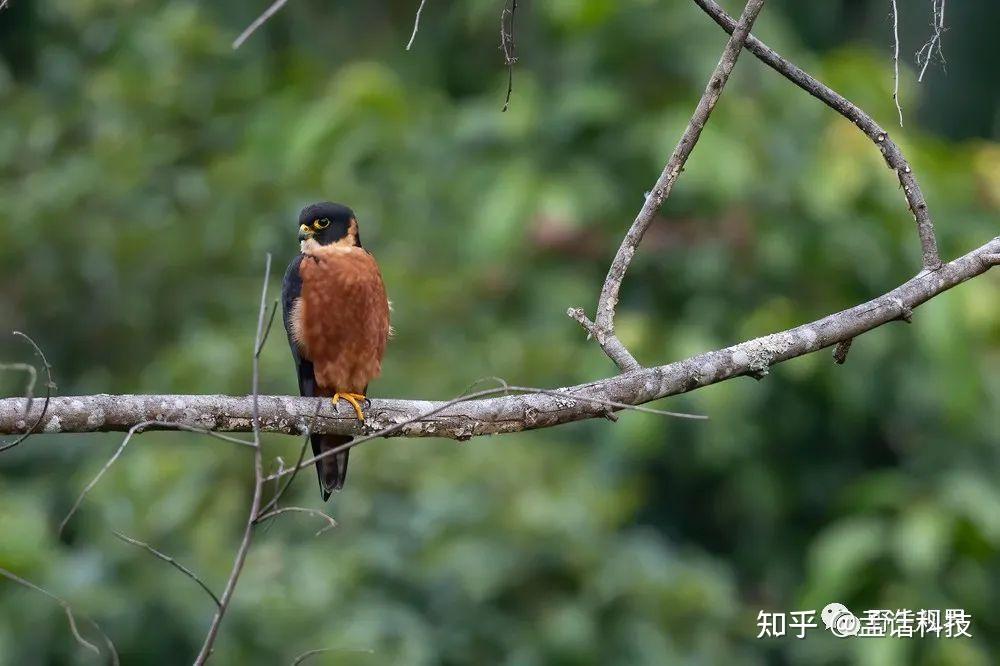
353	399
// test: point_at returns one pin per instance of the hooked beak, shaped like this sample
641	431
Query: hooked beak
305	232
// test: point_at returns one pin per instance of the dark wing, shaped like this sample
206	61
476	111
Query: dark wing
332	470
291	290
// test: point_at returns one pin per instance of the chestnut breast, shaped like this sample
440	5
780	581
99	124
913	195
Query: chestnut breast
341	320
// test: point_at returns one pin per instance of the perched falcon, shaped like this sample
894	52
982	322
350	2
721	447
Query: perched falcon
337	318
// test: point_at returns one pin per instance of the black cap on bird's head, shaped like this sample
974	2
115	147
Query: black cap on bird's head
328	223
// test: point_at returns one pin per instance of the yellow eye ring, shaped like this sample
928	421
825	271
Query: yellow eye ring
321	224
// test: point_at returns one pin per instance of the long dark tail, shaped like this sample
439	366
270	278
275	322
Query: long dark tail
332	470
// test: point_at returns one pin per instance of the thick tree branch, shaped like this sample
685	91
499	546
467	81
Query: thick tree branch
893	155
603	326
512	413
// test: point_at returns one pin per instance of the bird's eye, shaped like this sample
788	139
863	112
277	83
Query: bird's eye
321	224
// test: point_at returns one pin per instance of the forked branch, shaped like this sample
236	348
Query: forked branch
893	155
603	326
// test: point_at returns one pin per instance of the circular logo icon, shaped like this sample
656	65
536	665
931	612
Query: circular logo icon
840	621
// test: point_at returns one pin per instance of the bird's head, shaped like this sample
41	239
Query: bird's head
327	223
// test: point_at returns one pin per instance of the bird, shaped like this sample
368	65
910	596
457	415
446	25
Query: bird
336	315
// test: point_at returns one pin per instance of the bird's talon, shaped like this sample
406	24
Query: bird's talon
352	398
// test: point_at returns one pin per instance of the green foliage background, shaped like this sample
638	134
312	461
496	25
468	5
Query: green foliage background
145	170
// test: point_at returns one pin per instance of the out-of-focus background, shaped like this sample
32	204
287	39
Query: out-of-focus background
146	168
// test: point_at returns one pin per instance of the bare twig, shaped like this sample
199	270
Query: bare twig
258	481
926	52
895	59
171	561
93	482
603	327
508	45
416	24
893	155
267	331
69	617
612	346
277	483
135	429
30	390
331	523
259	21
312	653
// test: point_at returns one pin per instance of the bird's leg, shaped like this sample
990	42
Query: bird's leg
353	399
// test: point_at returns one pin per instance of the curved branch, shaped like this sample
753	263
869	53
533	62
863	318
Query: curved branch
32	374
893	155
603	326
512	413
330	522
171	561
68	609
